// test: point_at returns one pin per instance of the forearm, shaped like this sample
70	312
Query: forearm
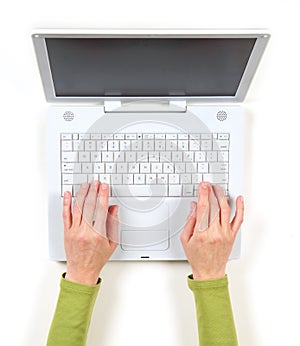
214	313
72	315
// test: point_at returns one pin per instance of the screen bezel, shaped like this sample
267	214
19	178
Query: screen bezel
39	40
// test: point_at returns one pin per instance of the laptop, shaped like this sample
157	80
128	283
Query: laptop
152	113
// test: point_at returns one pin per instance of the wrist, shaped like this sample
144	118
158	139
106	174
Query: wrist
208	276
84	279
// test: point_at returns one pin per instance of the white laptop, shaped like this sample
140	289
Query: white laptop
152	113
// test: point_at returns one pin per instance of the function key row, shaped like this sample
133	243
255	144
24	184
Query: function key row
122	136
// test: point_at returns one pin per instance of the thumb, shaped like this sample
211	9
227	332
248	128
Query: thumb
112	226
188	229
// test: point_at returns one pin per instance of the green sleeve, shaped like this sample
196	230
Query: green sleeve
73	313
214	314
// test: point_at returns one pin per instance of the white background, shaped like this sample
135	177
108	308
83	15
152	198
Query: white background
149	303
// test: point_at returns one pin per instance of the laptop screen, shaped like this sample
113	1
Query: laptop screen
99	67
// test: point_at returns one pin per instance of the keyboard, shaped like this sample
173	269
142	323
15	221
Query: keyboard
145	164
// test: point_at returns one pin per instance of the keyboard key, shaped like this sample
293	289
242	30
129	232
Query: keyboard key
66	188
139	179
175	190
84	136
133	167
113	145
99	168
171	136
203	167
92	177
119	156
117	179
200	156
191	167
156	167
218	167
128	179
145	167
223	156
96	136
68	179
102	145
176	156
223	136
174	178
71	167
168	168
171	145
188	156
221	145
84	156
187	190
122	167
186	178
96	156
160	145
151	178
196	178
162	178
137	145
87	168
195	145
66	136
216	178
67	145
125	145
90	145
165	156
69	156
104	178
130	136
130	156
78	145
148	145
107	156
179	167
206	145
212	156
153	156
110	167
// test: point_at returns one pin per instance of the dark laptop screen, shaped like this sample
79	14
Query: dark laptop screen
99	67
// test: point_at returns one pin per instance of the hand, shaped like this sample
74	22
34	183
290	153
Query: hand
208	250
89	245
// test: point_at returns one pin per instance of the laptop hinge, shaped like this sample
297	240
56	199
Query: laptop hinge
147	106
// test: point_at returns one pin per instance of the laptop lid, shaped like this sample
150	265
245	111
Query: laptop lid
190	65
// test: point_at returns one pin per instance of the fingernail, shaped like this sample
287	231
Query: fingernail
103	186
242	199
84	185
66	195
204	185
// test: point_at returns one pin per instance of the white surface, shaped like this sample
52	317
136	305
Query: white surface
149	303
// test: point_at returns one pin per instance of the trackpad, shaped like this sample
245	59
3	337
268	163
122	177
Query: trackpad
150	240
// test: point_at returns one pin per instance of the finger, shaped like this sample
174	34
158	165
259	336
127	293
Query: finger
102	209
79	203
239	215
203	206
223	204
112	226
188	229
67	214
90	203
214	209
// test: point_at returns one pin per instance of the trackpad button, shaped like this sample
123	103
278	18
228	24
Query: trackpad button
137	240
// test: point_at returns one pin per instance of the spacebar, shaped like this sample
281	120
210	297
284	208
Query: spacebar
139	190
